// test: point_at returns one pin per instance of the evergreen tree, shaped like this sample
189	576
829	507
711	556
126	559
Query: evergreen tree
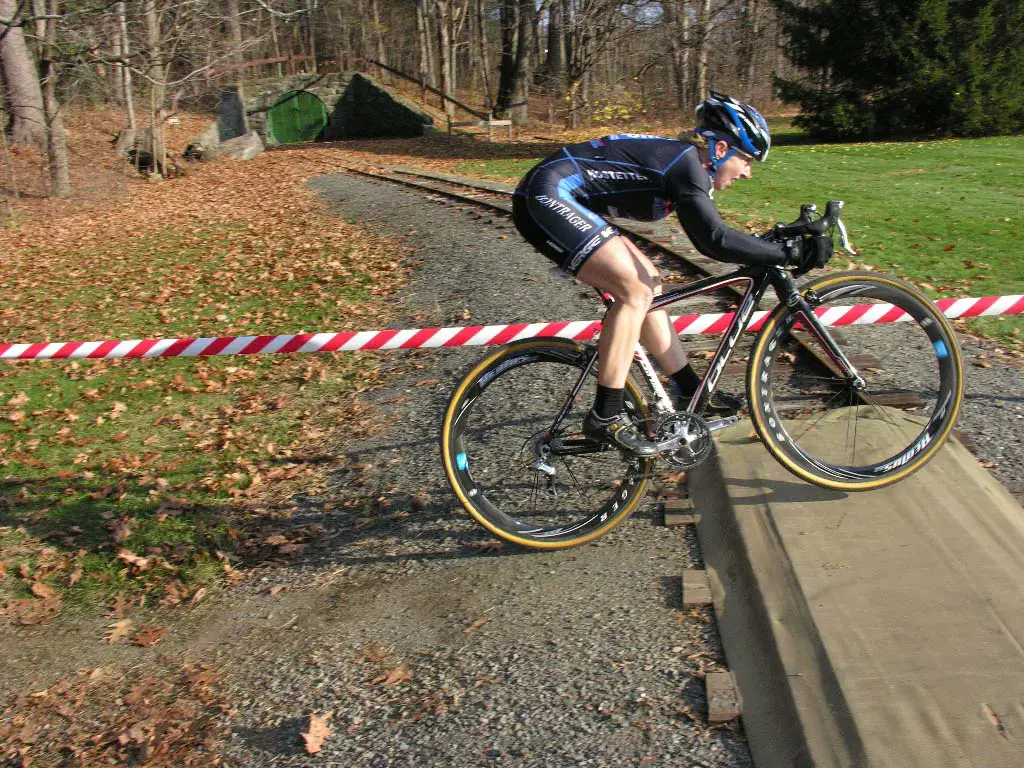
906	68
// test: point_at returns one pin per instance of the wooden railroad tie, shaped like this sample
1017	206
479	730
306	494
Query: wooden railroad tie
696	589
723	697
680	512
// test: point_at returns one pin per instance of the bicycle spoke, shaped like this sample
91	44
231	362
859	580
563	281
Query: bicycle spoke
510	443
829	432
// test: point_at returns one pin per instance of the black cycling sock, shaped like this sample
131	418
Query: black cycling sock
609	402
687	380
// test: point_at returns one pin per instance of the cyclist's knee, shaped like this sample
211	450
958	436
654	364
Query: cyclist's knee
637	294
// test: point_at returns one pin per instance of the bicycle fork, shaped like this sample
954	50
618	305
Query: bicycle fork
804	305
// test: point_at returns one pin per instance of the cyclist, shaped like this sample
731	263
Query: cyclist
559	207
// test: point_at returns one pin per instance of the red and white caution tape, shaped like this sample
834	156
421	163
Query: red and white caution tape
461	336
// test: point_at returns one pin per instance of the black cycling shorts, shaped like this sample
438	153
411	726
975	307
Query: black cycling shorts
559	227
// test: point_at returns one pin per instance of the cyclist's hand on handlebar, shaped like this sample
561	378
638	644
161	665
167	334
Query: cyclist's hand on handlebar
807	253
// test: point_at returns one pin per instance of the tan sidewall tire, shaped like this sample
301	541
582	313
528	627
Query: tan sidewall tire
757	412
446	429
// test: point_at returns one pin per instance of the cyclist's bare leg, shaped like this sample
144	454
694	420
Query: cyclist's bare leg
621	269
616	270
657	334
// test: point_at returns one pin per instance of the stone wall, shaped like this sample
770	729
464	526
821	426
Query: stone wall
357	106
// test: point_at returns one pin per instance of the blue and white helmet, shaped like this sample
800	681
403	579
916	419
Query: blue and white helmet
722	118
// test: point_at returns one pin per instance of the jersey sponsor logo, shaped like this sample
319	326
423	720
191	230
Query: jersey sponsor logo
616	175
620	136
589	247
565	212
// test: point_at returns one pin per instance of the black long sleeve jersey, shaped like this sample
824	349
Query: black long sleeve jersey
560	204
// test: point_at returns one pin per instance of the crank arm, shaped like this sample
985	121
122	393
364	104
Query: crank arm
716	424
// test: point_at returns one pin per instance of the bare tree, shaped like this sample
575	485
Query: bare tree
122	50
56	135
446	14
517	25
479	60
23	92
591	30
554	62
751	39
677	21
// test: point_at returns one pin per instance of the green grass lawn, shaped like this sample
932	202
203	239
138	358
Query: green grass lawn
948	215
149	480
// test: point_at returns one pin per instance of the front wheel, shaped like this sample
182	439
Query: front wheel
515	456
824	429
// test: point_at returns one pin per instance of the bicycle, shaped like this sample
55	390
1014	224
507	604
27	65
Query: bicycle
511	438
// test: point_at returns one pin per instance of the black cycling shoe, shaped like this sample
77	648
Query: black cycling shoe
722	405
621	432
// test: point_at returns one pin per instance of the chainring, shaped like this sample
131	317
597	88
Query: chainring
695	443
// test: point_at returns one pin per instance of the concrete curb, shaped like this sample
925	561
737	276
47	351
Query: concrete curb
770	640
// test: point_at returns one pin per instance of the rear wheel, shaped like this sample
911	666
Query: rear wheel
523	473
818	425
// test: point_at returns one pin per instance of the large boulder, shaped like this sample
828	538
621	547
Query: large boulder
204	146
243	147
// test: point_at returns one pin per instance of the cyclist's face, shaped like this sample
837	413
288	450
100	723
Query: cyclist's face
736	167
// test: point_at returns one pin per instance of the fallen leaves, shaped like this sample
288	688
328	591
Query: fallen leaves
318	732
148	635
223	434
124	630
393	676
39	589
119	631
159	716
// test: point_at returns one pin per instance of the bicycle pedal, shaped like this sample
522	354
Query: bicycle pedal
716	424
542	466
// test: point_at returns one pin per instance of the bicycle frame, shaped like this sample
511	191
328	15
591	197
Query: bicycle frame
759	279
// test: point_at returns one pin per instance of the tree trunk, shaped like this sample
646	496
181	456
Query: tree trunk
21	82
157	86
554	64
235	37
703	48
277	44
516	39
424	46
519	112
506	71
57	137
378	34
479	64
678	29
753	30
14	175
311	6
125	72
443	15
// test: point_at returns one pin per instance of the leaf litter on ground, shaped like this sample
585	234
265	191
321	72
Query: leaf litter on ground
159	478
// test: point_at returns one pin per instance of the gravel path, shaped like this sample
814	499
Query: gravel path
516	658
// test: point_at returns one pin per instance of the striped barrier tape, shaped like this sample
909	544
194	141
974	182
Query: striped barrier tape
459	336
